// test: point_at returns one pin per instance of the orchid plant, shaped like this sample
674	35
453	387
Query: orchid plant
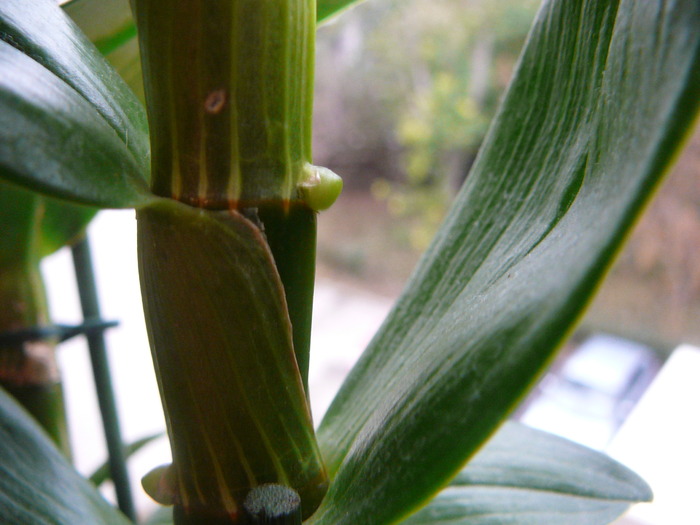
218	166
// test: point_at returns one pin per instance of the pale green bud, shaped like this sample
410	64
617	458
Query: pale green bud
319	187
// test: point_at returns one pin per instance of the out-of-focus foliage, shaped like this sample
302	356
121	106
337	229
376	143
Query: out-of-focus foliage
440	86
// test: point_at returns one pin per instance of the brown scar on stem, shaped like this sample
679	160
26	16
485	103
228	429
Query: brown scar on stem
215	102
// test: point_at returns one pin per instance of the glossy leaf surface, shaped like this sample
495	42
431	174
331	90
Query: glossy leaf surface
54	141
37	485
601	98
109	25
69	125
42	30
524	476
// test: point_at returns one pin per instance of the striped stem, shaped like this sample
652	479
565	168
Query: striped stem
228	271
229	87
221	338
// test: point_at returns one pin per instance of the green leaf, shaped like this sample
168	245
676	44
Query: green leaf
62	224
36	226
70	126
602	96
103	473
37	485
42	30
52	140
327	8
507	506
109	25
526	476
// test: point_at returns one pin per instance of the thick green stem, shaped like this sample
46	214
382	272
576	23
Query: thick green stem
229	87
291	235
221	338
28	369
269	504
230	109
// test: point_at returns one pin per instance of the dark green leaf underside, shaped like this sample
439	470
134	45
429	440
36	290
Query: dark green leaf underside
601	98
62	224
37	485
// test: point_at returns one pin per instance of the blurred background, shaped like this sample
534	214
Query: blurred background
405	91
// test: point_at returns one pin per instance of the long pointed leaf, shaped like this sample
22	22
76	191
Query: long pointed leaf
37	485
70	126
506	506
109	25
602	95
53	140
42	30
526	476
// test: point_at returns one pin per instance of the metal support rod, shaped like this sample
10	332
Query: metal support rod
82	260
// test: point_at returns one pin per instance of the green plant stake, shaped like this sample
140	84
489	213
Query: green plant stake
87	288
